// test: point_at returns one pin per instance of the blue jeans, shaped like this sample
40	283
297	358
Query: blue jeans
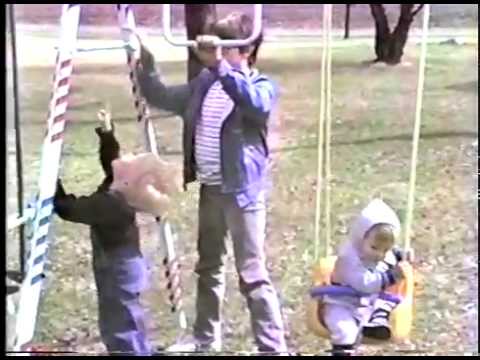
219	213
120	278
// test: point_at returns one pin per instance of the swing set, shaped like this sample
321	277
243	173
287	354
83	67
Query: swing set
37	215
402	293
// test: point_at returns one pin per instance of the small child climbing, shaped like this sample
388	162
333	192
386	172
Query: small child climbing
118	264
365	264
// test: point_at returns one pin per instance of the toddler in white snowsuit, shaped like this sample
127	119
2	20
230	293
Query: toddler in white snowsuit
361	265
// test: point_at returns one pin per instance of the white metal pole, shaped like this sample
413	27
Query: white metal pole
50	161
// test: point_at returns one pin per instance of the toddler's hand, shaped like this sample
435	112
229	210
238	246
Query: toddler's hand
105	118
399	254
60	191
398	271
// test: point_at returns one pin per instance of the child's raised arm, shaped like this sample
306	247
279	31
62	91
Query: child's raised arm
109	147
170	98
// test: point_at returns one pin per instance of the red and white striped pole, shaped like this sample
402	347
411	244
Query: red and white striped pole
50	162
172	269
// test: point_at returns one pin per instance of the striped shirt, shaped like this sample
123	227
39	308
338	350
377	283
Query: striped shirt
217	105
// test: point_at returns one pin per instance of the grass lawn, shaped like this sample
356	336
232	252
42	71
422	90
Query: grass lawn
373	112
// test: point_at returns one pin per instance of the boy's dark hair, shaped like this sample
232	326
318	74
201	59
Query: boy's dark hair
238	26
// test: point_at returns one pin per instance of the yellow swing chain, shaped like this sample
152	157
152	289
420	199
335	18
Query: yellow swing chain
416	130
325	112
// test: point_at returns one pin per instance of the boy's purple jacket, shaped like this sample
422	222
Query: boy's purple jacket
243	137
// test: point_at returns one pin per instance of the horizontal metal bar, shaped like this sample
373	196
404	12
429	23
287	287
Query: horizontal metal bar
88	49
15	221
257	28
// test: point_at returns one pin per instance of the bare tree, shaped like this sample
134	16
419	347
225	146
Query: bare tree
389	45
198	17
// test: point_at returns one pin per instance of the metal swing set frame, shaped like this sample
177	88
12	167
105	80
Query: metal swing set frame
38	214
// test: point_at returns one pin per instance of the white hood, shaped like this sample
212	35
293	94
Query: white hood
376	212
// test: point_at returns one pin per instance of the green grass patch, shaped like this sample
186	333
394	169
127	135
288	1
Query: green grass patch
372	122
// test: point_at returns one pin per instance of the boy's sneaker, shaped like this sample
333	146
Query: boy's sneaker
191	344
378	326
343	350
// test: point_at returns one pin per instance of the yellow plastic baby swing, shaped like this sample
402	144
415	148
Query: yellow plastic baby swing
402	316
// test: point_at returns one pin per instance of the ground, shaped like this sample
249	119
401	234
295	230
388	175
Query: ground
373	112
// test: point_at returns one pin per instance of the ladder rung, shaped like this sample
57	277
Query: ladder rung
15	221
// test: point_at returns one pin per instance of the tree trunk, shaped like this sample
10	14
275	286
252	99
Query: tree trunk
400	34
197	19
347	21
389	46
382	32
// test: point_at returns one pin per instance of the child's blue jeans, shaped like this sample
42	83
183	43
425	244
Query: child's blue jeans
120	277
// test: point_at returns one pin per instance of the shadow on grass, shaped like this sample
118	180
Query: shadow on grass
470	86
402	137
356	64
